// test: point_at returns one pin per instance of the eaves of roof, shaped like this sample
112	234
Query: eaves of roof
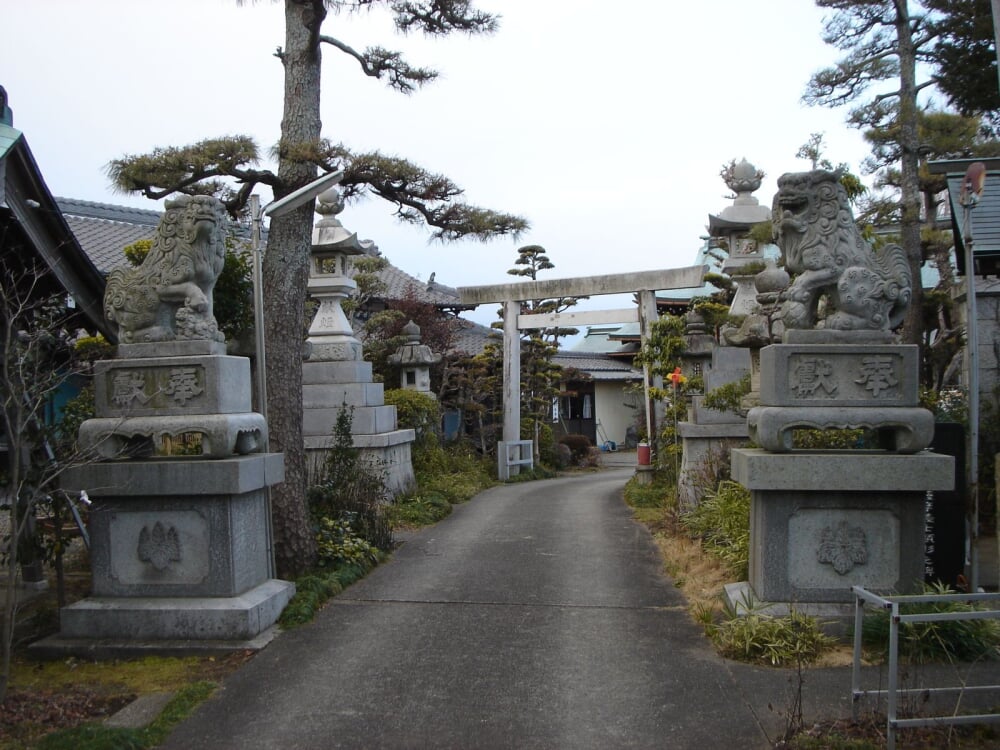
25	195
984	224
596	366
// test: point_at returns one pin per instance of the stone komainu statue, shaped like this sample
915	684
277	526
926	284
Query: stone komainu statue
169	296
824	250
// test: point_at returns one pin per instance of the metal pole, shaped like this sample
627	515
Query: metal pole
260	364
892	706
258	309
972	354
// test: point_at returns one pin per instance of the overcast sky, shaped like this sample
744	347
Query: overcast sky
605	124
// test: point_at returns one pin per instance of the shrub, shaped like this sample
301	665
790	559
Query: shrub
728	397
658	494
722	521
547	445
420	509
929	642
832	439
778	641
445	476
579	446
563	456
350	491
416	411
337	544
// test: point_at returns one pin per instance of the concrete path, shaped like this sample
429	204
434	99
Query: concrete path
536	616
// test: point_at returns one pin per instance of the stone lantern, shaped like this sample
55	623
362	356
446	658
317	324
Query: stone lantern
330	334
335	376
414	360
744	258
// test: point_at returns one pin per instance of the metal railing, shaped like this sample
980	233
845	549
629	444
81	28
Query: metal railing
512	453
894	692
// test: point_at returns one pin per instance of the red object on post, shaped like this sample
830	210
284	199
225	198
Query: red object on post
642	454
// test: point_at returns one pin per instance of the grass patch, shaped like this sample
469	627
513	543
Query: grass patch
312	591
529	475
151	674
701	576
657	495
421	509
446	476
98	737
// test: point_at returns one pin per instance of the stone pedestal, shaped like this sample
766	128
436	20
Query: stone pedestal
709	433
326	388
823	521
180	546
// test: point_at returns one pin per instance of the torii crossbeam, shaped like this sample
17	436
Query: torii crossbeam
643	283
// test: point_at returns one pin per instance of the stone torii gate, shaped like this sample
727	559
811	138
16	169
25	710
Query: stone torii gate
645	284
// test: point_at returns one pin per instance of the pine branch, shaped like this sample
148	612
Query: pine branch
378	62
193	170
420	196
440	17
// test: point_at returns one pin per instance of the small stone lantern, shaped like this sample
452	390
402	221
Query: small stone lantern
414	360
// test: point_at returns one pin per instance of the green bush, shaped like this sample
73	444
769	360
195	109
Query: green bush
313	590
722	521
728	397
778	641
337	544
350	490
833	439
416	411
546	445
658	494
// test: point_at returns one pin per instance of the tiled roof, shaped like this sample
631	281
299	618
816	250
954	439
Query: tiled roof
598	367
103	230
124	214
104	240
399	284
472	338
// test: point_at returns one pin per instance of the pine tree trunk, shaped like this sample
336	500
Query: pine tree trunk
909	142
286	273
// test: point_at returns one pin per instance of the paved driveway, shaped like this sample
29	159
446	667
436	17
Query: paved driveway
536	616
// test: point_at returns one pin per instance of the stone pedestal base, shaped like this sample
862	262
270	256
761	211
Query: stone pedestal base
645	474
823	522
328	387
180	550
704	444
389	452
833	618
167	618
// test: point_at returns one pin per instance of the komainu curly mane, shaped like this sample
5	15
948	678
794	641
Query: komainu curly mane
824	250
169	296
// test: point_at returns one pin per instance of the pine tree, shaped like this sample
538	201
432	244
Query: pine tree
420	196
882	41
